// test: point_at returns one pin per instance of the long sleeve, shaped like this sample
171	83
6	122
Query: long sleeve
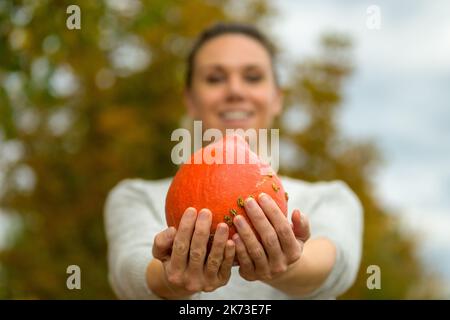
134	214
131	221
335	213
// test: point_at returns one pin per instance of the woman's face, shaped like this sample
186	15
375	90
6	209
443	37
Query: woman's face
233	85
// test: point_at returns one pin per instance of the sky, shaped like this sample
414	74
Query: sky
399	97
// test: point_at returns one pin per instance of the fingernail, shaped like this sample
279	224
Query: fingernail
250	203
302	219
190	212
235	237
204	215
239	221
263	197
222	228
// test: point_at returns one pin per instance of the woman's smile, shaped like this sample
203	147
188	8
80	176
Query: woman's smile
234	118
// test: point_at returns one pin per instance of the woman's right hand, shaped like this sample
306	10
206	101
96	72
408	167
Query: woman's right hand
183	253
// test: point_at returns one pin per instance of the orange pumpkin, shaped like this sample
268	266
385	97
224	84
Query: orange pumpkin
224	185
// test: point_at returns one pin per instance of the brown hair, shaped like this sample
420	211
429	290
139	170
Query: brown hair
221	28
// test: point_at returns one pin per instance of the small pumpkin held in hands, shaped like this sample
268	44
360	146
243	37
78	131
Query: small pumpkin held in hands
219	178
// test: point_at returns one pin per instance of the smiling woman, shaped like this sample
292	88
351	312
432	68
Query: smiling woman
231	84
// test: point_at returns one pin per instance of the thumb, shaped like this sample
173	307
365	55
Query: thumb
162	245
300	225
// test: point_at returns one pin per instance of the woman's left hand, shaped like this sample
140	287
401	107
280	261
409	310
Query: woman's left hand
281	243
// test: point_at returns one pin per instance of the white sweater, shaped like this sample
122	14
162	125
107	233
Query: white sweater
134	214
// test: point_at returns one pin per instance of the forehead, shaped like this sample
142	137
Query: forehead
232	50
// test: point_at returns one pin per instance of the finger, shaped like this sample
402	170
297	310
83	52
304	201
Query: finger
216	255
246	267
300	225
162	244
284	231
199	243
267	233
182	240
227	264
254	248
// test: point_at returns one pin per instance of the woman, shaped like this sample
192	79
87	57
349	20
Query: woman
231	83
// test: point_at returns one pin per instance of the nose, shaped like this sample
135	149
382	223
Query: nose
235	89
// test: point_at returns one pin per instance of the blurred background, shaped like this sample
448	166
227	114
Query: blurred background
367	88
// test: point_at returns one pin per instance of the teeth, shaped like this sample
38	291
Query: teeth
235	115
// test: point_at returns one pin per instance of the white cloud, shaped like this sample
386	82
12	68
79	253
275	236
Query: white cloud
410	45
408	40
413	186
432	228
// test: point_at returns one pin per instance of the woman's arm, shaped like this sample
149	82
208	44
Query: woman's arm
309	272
129	220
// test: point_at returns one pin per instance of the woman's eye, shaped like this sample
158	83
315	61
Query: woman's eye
253	77
214	79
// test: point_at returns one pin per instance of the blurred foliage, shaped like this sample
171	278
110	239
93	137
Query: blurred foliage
84	109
